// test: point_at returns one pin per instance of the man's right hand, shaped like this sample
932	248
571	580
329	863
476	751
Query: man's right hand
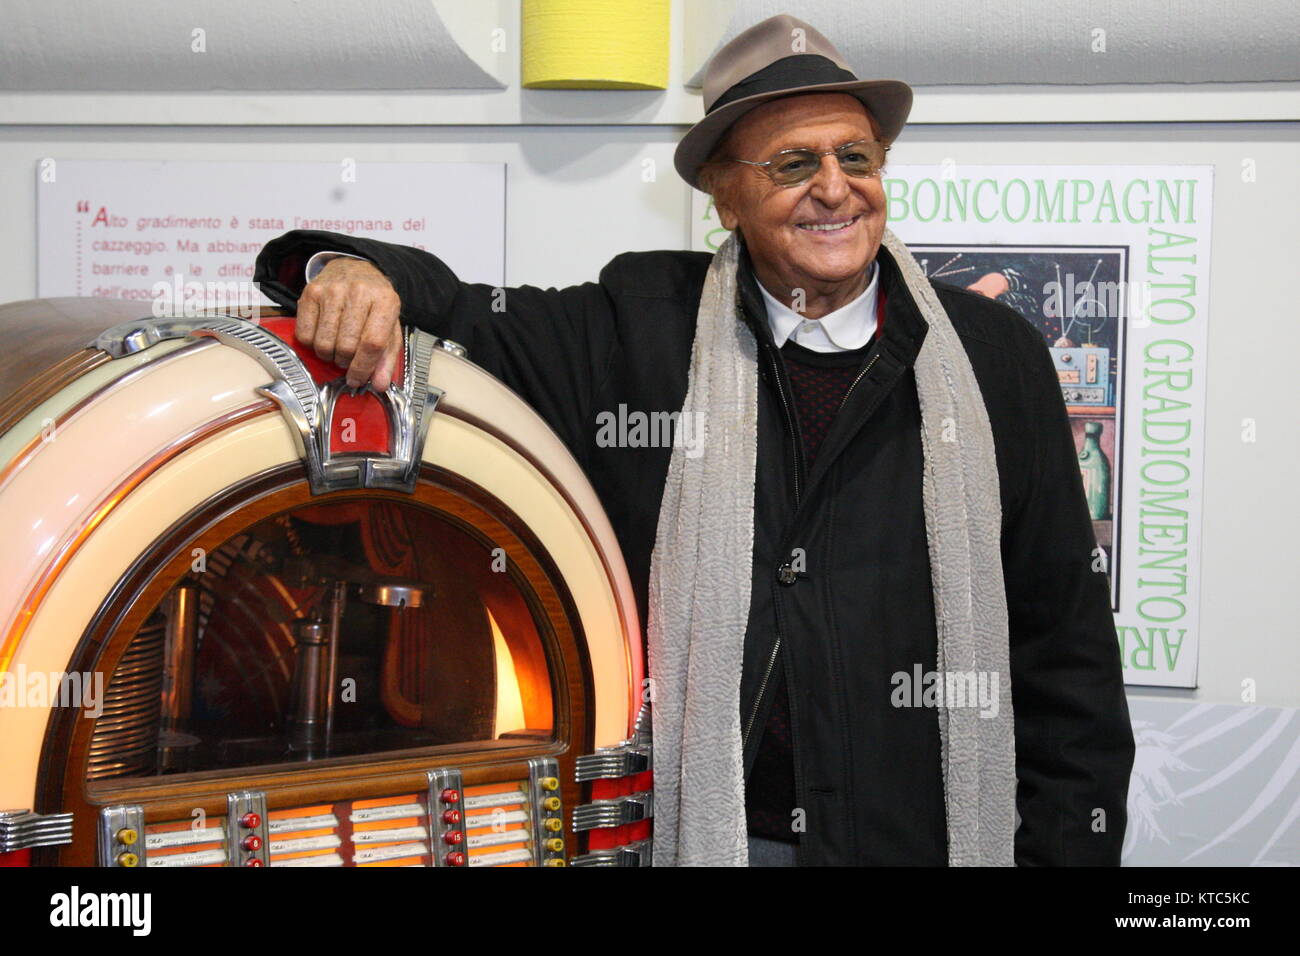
349	315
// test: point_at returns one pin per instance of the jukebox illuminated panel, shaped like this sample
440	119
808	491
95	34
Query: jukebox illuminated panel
327	628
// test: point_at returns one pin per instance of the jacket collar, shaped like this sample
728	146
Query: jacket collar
904	328
848	327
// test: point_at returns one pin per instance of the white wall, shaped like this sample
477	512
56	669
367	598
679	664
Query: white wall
577	196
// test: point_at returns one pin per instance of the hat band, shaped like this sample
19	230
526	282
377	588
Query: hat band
787	73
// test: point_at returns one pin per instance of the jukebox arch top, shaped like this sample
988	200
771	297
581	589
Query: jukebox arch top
380	548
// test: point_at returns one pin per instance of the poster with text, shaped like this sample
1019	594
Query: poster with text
1111	264
132	229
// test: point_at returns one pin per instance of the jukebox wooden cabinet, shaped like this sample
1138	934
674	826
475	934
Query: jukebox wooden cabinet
250	617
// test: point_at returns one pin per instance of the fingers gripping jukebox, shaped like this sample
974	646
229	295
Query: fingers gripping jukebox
251	617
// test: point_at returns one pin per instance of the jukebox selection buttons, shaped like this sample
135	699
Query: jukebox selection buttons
119	836
498	823
447	825
246	842
547	811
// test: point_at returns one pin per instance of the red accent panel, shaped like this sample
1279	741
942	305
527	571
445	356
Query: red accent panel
281	326
604	839
16	858
360	423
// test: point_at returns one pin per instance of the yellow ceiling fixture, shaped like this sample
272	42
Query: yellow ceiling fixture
595	44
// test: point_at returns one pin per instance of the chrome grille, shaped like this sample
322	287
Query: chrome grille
125	739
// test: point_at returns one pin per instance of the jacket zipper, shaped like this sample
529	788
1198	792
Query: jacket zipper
789	420
776	648
762	688
865	369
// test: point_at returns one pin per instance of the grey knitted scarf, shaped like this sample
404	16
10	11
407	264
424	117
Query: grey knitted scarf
700	581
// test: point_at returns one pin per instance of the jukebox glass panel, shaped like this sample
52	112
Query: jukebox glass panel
414	622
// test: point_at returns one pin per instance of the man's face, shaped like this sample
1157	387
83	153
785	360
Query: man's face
774	219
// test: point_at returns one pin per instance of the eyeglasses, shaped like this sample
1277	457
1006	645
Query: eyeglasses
862	159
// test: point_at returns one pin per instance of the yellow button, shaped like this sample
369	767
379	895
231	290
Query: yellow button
551	803
554	863
550	783
554	824
127	836
555	845
128	859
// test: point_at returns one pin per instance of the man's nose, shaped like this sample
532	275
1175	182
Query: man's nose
829	184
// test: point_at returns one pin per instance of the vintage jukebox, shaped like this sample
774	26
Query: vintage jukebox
249	617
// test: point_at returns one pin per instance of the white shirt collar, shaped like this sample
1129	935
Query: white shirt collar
848	327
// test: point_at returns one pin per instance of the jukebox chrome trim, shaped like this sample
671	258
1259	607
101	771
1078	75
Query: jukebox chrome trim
455	348
615	812
632	756
122	837
547	811
632	854
611	763
24	830
309	410
136	335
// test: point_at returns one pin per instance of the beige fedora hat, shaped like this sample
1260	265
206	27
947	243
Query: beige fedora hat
779	57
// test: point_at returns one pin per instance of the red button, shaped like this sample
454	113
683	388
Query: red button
456	859
451	816
250	821
453	837
252	843
450	795
254	861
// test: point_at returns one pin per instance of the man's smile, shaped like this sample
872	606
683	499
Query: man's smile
830	225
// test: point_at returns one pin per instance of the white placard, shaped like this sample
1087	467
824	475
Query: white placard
117	228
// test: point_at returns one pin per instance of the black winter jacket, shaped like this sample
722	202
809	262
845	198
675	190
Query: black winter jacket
867	773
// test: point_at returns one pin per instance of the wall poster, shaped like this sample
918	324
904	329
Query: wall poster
1111	264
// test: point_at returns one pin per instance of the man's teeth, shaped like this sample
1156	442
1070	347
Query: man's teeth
829	227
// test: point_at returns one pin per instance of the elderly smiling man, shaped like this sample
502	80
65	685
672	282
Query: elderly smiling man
877	629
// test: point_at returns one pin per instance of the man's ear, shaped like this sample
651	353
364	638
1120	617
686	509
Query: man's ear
726	215
722	205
